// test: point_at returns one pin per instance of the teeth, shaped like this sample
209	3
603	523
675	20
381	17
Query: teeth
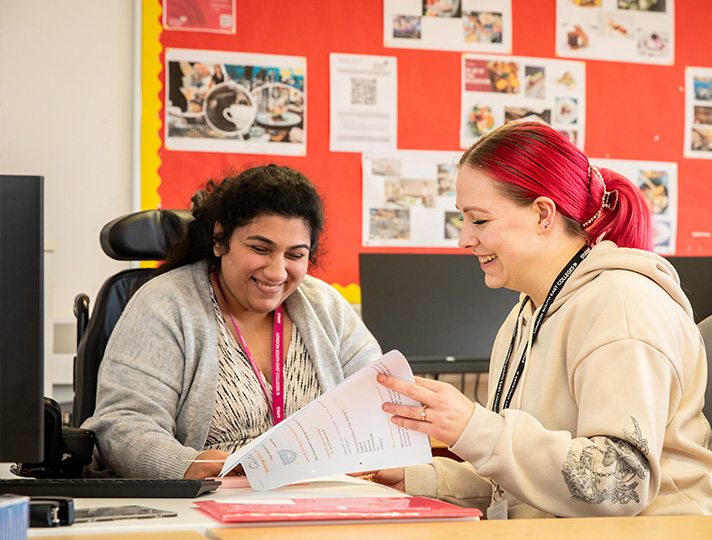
487	259
268	287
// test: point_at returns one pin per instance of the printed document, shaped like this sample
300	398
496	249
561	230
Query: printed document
343	431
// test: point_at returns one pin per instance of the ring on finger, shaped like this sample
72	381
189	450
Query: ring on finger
423	414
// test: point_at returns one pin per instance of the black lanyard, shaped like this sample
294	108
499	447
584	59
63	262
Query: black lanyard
555	289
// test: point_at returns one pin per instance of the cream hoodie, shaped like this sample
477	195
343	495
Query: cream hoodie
606	420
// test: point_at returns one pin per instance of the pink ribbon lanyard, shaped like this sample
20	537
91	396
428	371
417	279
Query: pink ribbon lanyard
277	365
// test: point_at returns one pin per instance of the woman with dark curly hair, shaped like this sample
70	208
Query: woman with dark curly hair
229	338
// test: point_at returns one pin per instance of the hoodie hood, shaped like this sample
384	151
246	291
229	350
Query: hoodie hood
606	256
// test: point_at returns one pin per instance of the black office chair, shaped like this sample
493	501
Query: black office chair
141	236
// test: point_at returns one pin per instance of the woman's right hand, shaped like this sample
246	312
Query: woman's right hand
392	478
209	464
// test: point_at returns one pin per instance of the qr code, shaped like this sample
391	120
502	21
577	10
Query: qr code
225	20
363	91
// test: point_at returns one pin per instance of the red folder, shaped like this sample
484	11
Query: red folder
337	509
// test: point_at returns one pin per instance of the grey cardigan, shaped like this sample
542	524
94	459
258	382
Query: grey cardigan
158	380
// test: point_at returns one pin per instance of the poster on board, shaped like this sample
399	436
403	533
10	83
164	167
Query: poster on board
450	25
658	182
235	102
698	112
641	31
409	199
199	15
363	103
497	90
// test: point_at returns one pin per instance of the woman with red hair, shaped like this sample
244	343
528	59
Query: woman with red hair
597	377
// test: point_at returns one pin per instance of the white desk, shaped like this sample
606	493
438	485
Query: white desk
190	518
191	523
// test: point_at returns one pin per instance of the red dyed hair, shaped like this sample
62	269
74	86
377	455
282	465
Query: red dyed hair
532	160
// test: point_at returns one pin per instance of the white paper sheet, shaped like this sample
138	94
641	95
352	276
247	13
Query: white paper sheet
641	31
498	89
698	112
409	199
449	25
364	103
343	431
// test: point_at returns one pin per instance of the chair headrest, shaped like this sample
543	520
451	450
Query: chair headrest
144	235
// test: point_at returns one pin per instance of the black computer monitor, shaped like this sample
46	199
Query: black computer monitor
434	308
696	280
21	319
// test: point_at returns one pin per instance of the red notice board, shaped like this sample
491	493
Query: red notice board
634	111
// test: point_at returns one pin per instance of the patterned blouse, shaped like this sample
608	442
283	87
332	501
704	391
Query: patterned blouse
242	411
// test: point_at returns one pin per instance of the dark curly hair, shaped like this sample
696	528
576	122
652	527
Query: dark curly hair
236	201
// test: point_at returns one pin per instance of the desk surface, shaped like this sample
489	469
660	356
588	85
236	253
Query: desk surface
152	535
192	524
648	528
191	518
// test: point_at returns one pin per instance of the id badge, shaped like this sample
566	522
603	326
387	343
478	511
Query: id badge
499	506
498	509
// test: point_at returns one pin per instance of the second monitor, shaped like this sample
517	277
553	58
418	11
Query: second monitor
434	308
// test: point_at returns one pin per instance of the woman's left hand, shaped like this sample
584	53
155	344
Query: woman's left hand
445	411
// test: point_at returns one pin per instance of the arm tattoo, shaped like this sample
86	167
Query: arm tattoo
595	475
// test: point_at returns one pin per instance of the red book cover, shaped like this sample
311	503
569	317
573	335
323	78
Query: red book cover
336	509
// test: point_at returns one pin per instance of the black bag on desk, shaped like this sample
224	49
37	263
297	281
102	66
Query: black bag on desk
67	449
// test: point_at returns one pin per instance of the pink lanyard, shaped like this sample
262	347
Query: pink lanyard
277	365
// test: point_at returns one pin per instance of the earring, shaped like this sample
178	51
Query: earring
547	225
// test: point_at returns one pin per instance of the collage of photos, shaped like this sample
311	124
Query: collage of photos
698	112
231	102
452	25
409	199
641	31
498	90
658	182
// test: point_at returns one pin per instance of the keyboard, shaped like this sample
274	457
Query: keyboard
108	487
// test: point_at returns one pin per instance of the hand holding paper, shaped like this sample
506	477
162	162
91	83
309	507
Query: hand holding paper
343	431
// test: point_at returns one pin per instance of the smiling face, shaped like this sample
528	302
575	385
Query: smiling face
265	262
501	233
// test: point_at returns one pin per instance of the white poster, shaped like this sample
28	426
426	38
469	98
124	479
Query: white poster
698	112
364	103
497	90
409	199
658	181
450	25
640	31
235	102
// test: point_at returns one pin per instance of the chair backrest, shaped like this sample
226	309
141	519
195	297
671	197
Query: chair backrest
705	327
141	236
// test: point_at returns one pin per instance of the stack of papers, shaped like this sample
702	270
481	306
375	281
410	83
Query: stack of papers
343	431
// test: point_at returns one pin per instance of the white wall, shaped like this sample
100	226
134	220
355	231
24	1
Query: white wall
65	113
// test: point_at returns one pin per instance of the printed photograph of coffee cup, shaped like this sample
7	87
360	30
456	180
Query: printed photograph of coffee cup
230	109
239	114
